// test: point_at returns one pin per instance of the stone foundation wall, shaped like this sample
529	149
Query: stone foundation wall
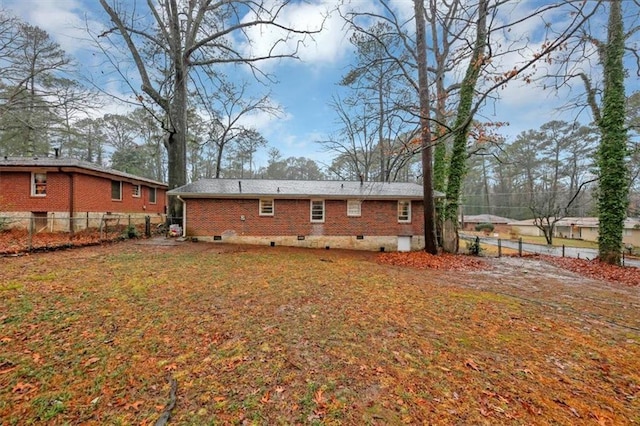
370	243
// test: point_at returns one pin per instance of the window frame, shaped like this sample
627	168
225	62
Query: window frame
136	190
261	207
351	203
153	191
119	182
401	211
311	215
35	185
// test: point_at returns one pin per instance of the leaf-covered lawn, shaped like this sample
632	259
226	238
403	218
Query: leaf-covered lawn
282	336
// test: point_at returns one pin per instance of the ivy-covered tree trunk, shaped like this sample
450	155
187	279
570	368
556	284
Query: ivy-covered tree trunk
613	196
457	165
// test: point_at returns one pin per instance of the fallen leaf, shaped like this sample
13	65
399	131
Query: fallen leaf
8	370
134	406
472	365
318	398
22	387
91	361
265	398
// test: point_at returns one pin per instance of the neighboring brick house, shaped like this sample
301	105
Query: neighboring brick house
66	193
335	214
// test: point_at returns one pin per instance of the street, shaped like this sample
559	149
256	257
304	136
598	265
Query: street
575	252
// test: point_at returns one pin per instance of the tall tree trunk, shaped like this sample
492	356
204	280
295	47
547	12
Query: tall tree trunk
384	175
176	142
485	186
457	166
613	195
430	239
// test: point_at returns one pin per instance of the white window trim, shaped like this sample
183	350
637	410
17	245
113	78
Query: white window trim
324	213
120	183
357	203
155	192
408	219
261	207
138	193
33	184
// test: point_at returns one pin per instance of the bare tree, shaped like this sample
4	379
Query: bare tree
378	101
228	110
354	143
479	36
180	38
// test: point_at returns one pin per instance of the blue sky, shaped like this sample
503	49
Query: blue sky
305	87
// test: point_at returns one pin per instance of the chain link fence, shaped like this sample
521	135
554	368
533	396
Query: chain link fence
41	232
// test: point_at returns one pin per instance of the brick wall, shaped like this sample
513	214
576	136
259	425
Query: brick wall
91	194
209	217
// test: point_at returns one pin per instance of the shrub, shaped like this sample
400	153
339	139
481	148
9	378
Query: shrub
488	227
473	247
131	232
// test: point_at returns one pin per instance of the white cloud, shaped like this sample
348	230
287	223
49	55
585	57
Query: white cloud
64	20
328	46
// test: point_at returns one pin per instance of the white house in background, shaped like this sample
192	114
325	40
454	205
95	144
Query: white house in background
581	228
469	222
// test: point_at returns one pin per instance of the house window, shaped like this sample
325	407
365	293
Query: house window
354	207
317	210
136	191
39	184
116	190
152	195
404	211
266	207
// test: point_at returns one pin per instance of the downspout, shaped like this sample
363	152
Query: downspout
184	216
71	198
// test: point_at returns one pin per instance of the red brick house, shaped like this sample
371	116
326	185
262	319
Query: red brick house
336	214
67	193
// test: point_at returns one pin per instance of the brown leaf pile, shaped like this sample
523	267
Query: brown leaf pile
15	241
598	270
424	260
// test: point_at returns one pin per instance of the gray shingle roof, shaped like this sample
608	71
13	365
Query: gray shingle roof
252	188
486	218
31	162
583	222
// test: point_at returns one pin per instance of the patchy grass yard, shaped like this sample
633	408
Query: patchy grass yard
282	336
